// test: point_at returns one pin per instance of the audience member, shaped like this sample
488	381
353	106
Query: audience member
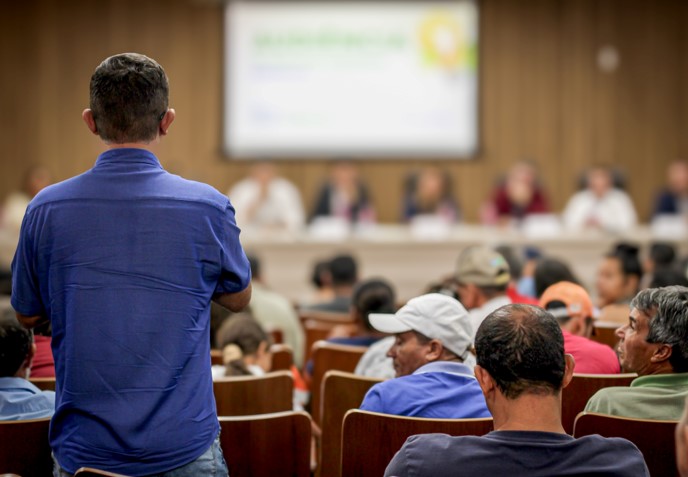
550	270
432	361
653	344
321	279
682	443
429	192
273	311
619	275
661	255
482	277
519	195
521	369
344	196
668	276
19	399
344	273
124	261
516	266
43	365
600	205
264	200
674	198
36	179
572	307
369	296
245	347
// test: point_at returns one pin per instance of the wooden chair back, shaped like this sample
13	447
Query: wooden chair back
268	445
655	439
341	392
25	449
370	439
282	357
328	356
44	384
91	472
247	395
317	326
605	332
575	396
216	357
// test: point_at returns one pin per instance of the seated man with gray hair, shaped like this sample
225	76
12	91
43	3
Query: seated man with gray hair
521	369
653	344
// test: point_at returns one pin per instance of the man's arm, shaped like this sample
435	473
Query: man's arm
234	302
31	321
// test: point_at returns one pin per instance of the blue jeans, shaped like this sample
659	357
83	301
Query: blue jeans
211	464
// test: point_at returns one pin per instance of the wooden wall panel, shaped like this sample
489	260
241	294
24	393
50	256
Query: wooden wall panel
542	94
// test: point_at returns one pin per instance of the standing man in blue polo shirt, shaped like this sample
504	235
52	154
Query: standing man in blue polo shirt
124	261
432	360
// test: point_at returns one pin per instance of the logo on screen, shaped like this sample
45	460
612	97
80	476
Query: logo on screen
445	43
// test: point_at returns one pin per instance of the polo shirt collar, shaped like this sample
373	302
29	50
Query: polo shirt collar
127	156
671	380
445	367
16	384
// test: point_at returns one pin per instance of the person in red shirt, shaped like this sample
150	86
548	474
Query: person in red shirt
571	305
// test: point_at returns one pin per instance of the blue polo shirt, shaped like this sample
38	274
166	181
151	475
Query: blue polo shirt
124	260
441	389
20	400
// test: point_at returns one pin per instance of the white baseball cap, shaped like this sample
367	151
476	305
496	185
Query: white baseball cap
435	316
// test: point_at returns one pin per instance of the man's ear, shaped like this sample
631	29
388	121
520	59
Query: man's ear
662	353
166	121
570	365
87	116
435	350
487	384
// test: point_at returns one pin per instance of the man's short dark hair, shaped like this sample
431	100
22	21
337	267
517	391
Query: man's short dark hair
254	263
522	348
15	343
667	308
344	270
129	97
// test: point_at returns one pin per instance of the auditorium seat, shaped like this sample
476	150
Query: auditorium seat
282	357
317	325
215	357
370	440
655	439
576	395
269	445
605	332
328	356
29	453
44	384
341	392
247	395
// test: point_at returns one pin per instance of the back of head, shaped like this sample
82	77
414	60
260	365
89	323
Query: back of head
343	270
549	271
522	348
662	254
243	331
373	296
668	311
15	344
129	97
628	256
668	276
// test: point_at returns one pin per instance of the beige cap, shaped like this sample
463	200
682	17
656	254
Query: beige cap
482	266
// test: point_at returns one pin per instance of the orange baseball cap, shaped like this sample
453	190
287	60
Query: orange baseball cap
577	301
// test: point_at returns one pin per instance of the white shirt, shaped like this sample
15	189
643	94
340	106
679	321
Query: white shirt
375	363
613	212
282	207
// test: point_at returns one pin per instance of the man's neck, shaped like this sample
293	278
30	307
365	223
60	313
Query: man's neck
131	145
529	412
